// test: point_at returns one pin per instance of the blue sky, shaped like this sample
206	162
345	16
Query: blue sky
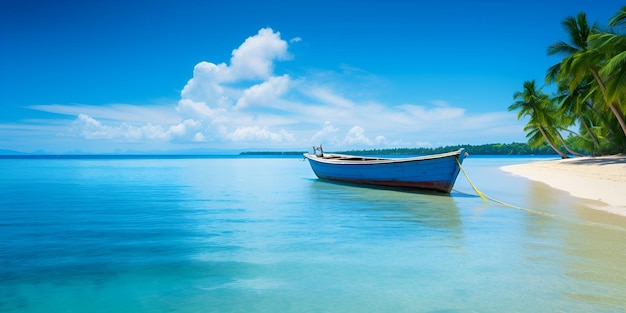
168	76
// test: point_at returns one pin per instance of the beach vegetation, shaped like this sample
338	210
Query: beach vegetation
502	149
540	109
511	149
590	92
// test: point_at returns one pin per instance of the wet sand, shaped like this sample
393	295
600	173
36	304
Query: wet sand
594	178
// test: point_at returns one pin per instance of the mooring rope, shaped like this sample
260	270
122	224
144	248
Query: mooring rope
484	197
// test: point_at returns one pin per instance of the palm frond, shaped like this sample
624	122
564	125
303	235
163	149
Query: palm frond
561	47
552	73
619	18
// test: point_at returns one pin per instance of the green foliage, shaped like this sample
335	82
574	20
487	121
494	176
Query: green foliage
591	94
541	126
514	148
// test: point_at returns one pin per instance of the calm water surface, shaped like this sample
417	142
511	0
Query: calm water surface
234	234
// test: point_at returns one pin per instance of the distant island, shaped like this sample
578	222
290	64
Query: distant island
484	149
514	148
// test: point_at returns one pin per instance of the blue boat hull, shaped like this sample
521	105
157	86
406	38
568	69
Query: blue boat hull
434	172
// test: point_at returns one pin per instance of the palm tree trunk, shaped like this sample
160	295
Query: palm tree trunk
567	147
619	116
596	144
545	136
612	106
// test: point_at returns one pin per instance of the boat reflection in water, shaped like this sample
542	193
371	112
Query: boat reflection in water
425	210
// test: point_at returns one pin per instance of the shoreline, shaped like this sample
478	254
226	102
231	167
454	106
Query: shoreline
594	178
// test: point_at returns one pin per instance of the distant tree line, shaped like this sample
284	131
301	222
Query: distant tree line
515	148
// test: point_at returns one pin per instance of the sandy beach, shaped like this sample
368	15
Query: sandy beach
594	178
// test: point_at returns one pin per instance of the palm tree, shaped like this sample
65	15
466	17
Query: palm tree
534	103
555	122
613	46
578	31
578	105
587	55
566	146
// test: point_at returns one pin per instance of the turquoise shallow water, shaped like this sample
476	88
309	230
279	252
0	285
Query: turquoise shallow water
234	234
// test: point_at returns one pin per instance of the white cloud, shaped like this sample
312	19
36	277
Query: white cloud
200	110
265	93
178	129
256	133
245	103
430	115
423	144
198	137
218	94
330	98
254	58
328	134
205	83
356	136
90	128
380	139
440	103
181	130
157	114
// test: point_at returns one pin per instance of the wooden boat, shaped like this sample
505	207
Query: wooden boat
436	172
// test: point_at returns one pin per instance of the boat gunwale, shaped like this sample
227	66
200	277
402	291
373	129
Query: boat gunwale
332	158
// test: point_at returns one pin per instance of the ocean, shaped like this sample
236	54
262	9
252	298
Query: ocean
263	234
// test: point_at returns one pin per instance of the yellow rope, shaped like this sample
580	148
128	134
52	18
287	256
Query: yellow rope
478	192
485	197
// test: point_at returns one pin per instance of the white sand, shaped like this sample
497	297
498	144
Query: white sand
594	178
